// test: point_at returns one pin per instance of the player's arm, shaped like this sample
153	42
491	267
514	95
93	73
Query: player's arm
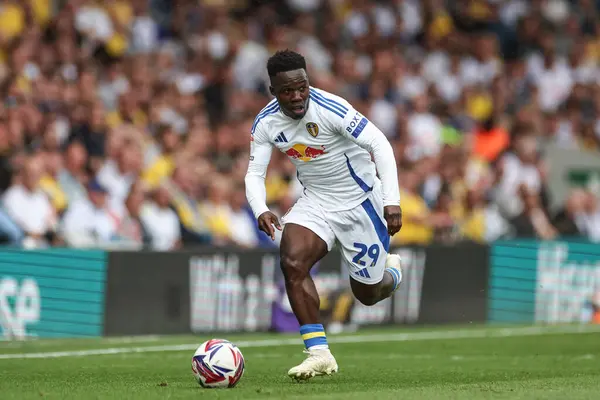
260	155
364	133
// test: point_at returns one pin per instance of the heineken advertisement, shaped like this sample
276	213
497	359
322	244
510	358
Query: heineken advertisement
51	293
547	282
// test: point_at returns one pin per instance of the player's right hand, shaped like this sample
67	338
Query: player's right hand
266	221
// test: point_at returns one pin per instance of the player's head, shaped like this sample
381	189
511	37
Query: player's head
289	82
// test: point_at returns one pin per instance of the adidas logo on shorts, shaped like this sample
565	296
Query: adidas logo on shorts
363	272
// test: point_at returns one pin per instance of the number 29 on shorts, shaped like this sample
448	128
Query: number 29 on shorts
363	250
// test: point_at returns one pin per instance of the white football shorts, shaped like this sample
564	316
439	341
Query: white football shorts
361	233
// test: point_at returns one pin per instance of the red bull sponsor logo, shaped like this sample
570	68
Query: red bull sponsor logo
305	153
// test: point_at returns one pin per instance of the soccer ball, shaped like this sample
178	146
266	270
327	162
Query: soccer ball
218	363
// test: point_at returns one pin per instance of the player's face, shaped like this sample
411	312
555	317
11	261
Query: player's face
291	90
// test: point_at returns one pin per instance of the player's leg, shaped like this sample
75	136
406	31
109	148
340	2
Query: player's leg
300	249
370	294
306	239
362	232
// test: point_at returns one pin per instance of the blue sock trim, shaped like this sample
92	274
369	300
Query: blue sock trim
310	328
313	335
395	275
318	341
394	278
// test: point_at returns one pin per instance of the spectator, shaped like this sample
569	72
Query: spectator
129	111
131	231
484	65
161	221
12	20
91	221
490	140
533	221
550	73
570	221
184	191
93	21
217	211
467	92
144	30
424	130
518	168
381	111
418	223
117	175
473	224
93	134
444	233
49	181
113	84
592	216
73	177
27	204
164	165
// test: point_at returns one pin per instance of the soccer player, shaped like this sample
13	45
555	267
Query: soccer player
343	200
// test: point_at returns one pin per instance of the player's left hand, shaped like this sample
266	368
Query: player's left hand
393	216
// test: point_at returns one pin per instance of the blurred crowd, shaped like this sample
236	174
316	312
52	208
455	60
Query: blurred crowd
125	123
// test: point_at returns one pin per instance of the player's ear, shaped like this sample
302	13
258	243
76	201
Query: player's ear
272	90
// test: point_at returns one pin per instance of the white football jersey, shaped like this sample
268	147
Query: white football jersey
328	146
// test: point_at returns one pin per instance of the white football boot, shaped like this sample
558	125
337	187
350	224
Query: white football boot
394	261
318	362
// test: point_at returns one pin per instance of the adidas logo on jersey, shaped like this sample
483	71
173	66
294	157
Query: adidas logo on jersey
363	272
281	138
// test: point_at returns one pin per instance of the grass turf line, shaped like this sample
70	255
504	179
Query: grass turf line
97	347
555	366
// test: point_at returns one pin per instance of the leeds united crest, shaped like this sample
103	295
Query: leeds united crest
312	128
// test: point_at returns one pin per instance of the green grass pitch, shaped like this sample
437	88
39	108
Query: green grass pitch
436	363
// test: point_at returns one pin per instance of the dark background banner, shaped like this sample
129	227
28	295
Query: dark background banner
227	290
147	293
455	284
